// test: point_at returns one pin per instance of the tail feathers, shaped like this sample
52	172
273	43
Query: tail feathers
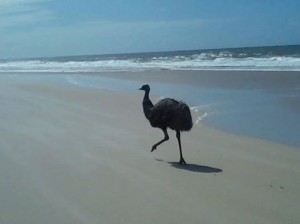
187	122
181	119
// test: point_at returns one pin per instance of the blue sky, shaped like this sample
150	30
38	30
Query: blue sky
35	28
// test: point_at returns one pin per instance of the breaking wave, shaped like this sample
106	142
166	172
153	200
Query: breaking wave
185	60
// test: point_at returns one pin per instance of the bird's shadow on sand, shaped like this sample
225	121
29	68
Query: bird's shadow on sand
193	167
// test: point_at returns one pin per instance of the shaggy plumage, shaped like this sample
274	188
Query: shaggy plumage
167	113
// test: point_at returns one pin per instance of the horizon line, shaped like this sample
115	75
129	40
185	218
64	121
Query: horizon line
151	52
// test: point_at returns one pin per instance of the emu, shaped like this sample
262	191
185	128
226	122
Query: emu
167	113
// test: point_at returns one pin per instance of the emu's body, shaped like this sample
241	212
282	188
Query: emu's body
167	113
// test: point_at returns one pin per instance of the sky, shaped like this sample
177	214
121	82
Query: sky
45	28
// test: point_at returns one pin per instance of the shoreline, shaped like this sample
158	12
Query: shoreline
204	78
214	93
277	90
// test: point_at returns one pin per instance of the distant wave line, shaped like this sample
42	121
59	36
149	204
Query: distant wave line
203	61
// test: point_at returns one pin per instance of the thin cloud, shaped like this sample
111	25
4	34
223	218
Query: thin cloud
22	12
97	37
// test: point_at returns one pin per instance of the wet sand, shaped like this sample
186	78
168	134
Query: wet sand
80	155
219	79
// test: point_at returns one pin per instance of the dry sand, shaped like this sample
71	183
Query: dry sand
74	155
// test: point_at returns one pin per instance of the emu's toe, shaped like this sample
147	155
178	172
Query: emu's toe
153	148
182	162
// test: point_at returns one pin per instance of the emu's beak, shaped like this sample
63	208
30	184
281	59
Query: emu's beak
140	88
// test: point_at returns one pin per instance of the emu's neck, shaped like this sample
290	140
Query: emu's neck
147	104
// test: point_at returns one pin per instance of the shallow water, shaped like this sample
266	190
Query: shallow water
255	112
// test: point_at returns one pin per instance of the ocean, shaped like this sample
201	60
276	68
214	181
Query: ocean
266	113
277	58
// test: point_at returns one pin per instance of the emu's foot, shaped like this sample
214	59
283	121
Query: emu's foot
153	148
182	162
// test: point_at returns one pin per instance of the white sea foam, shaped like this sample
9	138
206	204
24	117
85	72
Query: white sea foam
200	114
72	80
200	118
202	61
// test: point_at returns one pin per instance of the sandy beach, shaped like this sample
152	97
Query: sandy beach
80	155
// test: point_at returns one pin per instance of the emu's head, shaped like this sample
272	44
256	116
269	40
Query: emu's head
145	88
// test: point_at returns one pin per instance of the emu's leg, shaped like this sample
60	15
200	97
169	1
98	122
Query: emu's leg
179	143
166	138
